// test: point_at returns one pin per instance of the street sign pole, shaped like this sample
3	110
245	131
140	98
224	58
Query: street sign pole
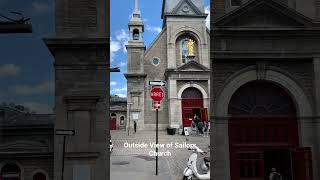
64	133
157	141
63	155
157	95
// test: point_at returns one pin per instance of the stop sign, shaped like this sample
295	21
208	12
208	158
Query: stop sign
157	94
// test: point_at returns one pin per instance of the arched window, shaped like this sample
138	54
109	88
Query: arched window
10	172
186	48
191	93
39	176
135	34
122	120
113	114
261	98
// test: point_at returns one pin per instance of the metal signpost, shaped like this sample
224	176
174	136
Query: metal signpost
156	95
64	133
157	83
129	103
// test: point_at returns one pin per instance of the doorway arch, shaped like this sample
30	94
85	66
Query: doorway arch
262	131
192	103
11	171
113	121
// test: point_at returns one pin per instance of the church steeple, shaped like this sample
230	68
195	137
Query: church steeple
136	10
136	26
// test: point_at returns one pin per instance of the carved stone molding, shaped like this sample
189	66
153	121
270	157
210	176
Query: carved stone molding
261	69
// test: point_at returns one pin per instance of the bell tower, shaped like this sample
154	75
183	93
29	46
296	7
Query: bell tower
80	49
135	76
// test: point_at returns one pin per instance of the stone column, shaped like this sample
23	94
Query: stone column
172	97
316	155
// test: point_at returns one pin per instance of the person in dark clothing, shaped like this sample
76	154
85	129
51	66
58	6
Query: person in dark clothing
274	175
135	126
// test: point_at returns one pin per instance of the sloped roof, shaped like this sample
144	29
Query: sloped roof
168	6
16	117
29	120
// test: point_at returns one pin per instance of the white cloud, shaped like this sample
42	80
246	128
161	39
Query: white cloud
118	42
118	90
38	107
153	29
46	87
114	47
122	64
7	70
122	95
40	7
113	83
122	37
207	11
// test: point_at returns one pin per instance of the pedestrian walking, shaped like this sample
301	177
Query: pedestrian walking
274	175
135	126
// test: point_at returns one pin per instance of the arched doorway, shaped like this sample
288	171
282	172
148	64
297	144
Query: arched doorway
39	176
10	172
192	103
122	123
113	121
263	133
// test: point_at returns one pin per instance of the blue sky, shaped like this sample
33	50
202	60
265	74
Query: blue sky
26	65
120	15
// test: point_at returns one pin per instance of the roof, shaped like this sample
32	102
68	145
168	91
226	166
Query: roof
116	98
29	120
168	6
16	117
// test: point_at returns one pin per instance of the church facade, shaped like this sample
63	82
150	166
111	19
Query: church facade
180	56
265	89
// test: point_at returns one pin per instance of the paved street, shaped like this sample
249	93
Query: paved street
126	162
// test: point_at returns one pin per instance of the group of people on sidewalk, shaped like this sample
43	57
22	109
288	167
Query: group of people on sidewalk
203	127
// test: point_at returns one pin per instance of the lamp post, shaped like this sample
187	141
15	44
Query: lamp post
129	104
64	133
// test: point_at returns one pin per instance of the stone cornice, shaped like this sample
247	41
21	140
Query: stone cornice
135	75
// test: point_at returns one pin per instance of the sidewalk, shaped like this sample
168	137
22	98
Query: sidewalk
139	167
127	164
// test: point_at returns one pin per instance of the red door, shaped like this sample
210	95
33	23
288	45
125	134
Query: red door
187	117
302	164
204	114
113	123
251	138
188	105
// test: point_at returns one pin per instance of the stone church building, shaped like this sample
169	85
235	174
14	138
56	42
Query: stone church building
265	89
180	56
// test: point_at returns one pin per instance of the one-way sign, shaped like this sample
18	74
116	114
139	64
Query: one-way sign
157	83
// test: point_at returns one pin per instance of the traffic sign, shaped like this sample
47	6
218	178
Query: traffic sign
156	94
157	83
156	104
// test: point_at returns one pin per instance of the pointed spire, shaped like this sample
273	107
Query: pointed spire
136	10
